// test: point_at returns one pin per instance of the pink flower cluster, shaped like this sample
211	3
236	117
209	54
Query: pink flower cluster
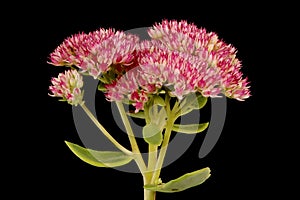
186	37
96	51
75	48
68	86
180	58
162	69
116	51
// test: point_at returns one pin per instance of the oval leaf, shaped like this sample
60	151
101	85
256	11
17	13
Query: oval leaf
152	134
201	102
190	128
182	183
192	102
99	158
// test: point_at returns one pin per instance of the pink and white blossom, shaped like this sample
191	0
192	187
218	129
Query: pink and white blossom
116	51
67	86
180	58
159	69
70	51
75	48
96	52
187	37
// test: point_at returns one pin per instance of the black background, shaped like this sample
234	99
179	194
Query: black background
241	159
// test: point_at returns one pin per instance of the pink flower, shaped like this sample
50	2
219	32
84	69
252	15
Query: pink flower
97	51
180	59
68	87
159	69
186	37
115	52
75	48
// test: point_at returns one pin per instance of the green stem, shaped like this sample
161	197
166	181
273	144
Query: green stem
152	149
148	194
135	149
104	131
152	157
163	150
167	135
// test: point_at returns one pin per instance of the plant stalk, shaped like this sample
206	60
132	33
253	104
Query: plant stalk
135	149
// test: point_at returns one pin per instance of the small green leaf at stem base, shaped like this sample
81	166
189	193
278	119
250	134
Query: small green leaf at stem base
99	158
182	183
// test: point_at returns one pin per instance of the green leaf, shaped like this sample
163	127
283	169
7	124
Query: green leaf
192	102
99	158
195	101
140	115
152	134
190	128
158	100
182	183
200	103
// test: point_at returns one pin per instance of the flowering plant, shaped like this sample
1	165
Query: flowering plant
162	79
